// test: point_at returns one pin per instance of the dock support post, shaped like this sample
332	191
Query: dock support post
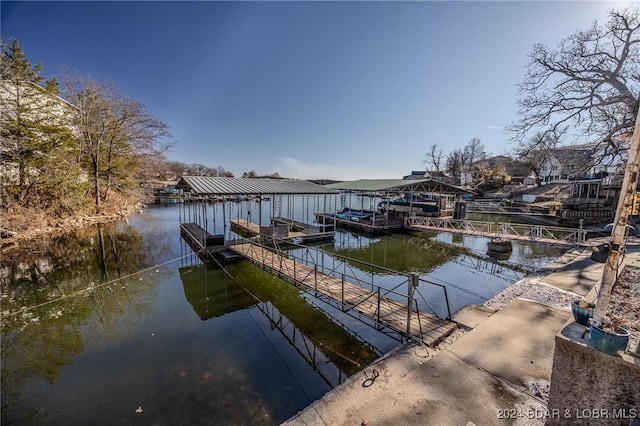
412	283
343	292
379	327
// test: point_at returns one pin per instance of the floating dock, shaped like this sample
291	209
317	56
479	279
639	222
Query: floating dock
207	246
286	230
372	225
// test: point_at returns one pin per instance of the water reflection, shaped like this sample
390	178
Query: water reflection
55	293
211	293
414	252
88	340
92	330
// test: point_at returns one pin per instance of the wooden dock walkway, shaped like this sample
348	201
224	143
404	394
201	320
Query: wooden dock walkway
511	231
285	230
384	311
381	224
245	227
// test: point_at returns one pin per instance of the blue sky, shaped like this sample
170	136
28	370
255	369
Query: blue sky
339	90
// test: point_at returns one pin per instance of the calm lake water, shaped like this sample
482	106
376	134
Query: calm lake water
122	324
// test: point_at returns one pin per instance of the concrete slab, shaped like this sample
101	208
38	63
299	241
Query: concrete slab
516	343
443	391
472	315
581	273
483	373
579	276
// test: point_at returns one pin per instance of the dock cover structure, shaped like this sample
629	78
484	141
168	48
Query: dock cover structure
399	185
235	193
203	185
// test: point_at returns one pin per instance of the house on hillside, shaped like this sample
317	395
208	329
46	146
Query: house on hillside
609	166
514	168
567	164
594	176
31	104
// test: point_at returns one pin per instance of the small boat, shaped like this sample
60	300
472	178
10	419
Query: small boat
498	255
499	245
410	204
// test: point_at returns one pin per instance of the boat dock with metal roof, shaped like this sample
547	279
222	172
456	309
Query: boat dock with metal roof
276	193
380	215
399	310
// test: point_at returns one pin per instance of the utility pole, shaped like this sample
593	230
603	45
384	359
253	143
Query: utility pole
619	226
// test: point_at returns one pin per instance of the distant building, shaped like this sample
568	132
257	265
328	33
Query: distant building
34	105
438	176
567	164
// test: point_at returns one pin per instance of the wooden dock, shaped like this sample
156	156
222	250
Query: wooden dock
282	229
379	224
206	245
245	227
384	311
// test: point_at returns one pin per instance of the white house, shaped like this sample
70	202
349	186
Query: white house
36	105
567	164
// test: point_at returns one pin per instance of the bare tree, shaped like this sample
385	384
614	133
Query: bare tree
115	134
591	80
536	150
223	173
434	158
197	169
456	162
473	152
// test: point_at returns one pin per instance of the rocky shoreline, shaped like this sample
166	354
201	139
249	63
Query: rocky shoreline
53	227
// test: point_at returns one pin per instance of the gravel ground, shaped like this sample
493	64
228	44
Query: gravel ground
624	308
531	288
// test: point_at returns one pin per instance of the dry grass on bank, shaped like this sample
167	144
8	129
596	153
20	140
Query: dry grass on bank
18	224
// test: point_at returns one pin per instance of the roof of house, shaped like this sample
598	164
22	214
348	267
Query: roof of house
204	185
573	156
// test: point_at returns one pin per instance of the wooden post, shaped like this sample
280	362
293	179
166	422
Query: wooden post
412	283
343	292
378	310
619	226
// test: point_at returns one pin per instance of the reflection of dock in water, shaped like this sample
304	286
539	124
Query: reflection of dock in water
332	352
211	294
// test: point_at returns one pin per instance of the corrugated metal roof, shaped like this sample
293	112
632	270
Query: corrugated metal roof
203	185
401	185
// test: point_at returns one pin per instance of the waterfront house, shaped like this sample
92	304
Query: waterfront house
567	164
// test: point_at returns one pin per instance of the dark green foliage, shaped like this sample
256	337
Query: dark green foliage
37	146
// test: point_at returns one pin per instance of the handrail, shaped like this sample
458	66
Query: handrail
506	230
341	267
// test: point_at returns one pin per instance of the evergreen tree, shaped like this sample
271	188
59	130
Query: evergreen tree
37	147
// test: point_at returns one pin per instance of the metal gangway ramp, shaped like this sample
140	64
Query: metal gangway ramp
513	231
393	309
